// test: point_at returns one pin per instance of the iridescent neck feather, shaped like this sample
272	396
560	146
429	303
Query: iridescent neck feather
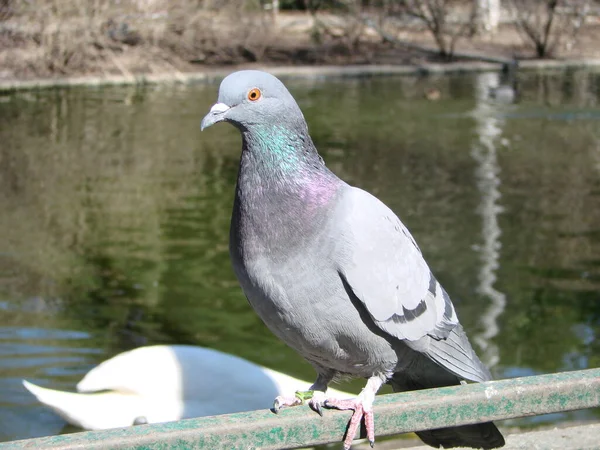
282	149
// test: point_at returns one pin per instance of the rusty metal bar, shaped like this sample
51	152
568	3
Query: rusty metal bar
301	427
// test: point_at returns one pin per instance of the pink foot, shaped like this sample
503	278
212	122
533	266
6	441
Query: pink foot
283	402
360	410
315	400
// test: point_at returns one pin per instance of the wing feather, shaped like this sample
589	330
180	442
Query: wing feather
385	269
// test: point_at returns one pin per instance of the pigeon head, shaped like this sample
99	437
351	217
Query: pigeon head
251	98
275	139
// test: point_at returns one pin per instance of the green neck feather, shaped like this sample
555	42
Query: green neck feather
279	148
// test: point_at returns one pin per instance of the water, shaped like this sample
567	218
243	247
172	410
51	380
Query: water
115	214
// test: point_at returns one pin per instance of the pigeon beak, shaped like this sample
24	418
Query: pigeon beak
215	115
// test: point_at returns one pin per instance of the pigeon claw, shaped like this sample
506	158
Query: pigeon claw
361	411
317	401
276	407
140	420
316	407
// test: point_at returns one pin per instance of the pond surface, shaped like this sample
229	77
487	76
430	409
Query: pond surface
114	218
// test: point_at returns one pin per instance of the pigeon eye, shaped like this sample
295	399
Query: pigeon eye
254	94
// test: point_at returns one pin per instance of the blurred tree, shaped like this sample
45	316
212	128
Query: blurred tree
447	20
547	23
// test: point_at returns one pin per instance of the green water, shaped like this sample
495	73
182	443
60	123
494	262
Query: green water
114	218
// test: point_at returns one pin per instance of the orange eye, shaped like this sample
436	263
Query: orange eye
254	94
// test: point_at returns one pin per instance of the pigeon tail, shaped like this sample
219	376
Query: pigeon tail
482	435
456	355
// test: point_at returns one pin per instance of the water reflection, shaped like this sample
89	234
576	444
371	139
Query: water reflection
489	130
115	217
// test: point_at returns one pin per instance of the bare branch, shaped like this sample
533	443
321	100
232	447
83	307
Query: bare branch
544	23
445	20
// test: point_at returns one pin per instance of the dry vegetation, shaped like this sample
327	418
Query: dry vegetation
41	38
83	36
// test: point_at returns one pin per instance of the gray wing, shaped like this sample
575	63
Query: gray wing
386	271
384	268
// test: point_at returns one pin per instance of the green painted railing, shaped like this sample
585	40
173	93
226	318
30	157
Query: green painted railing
394	413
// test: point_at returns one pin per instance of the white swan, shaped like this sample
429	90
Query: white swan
163	383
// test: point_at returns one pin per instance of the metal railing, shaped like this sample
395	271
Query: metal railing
394	413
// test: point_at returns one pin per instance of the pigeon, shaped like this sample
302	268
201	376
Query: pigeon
163	383
333	272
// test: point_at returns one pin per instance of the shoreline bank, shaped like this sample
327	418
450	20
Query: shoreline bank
321	71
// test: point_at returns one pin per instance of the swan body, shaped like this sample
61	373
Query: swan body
164	383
